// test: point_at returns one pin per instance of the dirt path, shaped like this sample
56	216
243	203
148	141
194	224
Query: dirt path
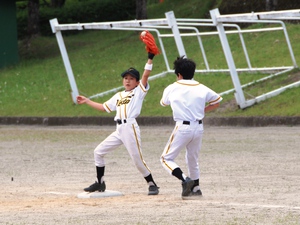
249	176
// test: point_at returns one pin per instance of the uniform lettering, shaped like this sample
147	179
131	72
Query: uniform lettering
123	102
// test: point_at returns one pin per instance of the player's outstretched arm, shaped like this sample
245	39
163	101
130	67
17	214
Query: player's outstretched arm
147	72
84	100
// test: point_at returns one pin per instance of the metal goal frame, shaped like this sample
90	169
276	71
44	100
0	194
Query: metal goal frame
175	25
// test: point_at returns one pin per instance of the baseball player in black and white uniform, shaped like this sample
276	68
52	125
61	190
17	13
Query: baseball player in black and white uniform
189	101
127	104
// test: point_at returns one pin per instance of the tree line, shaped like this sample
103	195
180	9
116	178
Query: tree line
232	6
33	6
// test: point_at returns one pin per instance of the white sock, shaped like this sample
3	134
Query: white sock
196	188
102	179
150	183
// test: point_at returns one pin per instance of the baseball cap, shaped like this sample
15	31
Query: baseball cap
133	72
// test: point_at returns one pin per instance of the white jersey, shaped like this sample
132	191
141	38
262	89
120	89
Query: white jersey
128	104
188	99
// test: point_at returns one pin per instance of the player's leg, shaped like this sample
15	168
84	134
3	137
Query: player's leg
132	141
179	138
192	160
177	141
192	155
106	146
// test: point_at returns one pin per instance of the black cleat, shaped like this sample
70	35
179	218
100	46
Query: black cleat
96	187
193	195
187	186
153	190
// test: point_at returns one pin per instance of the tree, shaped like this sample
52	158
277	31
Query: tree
57	3
141	9
271	5
33	27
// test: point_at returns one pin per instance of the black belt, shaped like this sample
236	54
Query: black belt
188	122
121	121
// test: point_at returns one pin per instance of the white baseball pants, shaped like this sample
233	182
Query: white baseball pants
184	136
128	134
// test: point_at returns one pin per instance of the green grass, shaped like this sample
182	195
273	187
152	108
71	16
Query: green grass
38	85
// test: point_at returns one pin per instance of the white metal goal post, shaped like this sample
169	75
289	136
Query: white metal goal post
175	25
267	17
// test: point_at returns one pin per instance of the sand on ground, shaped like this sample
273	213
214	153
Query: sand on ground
249	175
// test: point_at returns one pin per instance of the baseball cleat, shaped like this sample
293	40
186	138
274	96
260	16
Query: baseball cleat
187	186
153	190
193	195
96	187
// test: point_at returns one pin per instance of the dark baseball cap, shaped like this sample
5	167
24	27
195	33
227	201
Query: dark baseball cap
133	72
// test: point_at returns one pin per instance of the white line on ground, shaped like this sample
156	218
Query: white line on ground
257	205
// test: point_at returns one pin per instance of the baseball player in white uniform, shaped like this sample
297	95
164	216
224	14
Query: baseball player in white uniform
127	104
189	101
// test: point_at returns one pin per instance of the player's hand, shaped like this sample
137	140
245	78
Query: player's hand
150	55
81	99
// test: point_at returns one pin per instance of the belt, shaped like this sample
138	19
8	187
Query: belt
188	122
121	121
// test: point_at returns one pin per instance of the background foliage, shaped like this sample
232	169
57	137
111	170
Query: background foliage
246	6
75	11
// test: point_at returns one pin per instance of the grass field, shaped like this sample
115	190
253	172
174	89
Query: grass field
38	85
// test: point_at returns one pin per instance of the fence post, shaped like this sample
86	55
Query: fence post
64	54
173	24
239	94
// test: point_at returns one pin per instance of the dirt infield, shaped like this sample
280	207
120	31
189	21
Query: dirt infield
248	176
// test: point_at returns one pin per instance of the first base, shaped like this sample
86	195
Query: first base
105	194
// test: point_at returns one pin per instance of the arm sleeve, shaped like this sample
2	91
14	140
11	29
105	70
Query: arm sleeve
212	97
111	104
219	99
165	101
144	90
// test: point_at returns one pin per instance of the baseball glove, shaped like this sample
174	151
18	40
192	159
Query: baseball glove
149	40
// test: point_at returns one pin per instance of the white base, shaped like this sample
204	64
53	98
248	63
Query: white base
106	193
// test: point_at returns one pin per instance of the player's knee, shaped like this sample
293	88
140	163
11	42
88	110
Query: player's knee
98	155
